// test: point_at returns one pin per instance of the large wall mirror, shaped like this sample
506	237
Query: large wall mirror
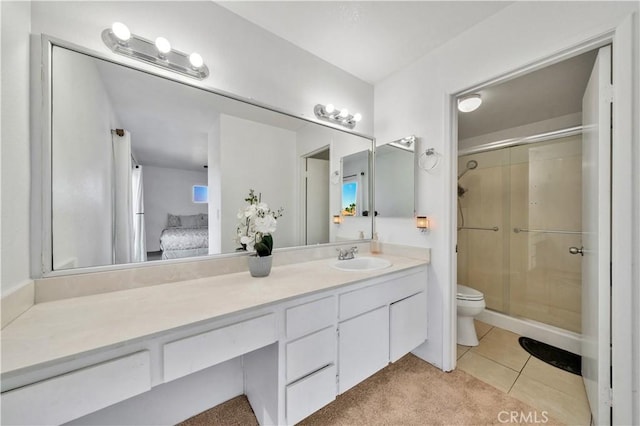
147	168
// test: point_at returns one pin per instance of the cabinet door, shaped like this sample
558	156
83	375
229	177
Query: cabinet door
408	325
363	347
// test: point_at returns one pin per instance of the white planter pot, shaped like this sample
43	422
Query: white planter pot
259	266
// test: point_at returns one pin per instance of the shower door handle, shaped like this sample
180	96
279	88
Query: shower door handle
576	250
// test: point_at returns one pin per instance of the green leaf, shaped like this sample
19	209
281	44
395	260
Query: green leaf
264	247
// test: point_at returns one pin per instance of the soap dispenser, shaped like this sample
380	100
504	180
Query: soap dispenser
375	244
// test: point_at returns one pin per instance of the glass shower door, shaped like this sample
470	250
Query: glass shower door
532	194
546	198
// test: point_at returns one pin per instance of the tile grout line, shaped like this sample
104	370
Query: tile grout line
519	374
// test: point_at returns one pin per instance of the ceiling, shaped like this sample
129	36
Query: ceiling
547	93
369	39
170	122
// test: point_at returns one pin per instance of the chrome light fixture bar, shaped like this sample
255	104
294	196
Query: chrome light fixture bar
333	115
159	53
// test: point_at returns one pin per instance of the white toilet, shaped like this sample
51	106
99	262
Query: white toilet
470	303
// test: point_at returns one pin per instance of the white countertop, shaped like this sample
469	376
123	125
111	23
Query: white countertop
54	331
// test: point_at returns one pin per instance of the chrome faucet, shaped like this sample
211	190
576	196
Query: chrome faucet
346	254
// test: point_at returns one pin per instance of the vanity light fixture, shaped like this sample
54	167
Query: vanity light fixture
469	103
342	117
337	219
422	223
120	40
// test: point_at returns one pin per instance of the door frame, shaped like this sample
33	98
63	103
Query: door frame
622	325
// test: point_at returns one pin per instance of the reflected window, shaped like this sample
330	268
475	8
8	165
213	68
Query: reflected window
200	194
349	197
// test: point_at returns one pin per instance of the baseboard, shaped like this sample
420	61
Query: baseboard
16	302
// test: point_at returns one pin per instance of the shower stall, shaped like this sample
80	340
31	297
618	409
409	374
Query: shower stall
519	214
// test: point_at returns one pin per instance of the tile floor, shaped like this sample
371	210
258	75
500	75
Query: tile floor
500	361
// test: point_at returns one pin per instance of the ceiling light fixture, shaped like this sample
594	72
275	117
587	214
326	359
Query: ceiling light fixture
469	103
120	40
342	117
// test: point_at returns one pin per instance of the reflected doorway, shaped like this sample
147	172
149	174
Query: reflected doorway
316	197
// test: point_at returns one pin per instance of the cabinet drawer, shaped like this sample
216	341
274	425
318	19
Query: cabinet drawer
195	353
363	300
75	394
310	317
310	394
310	353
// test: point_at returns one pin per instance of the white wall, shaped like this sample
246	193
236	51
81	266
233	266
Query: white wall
516	36
168	191
15	153
81	195
260	157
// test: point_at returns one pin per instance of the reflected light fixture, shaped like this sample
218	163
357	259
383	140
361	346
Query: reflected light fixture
469	103
422	223
120	40
407	143
342	117
337	219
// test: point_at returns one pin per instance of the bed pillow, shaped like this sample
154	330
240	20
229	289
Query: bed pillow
173	221
190	221
203	221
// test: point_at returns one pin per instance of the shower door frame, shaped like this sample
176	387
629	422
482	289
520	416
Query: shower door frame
563	338
621	36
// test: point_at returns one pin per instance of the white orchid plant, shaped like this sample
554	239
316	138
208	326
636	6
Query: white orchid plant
256	223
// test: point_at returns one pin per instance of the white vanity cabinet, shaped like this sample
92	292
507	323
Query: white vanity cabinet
379	324
363	347
194	353
66	397
310	357
291	356
407	325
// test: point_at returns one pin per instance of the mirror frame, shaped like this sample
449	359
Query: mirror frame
46	249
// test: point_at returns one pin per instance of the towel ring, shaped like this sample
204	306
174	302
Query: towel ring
429	160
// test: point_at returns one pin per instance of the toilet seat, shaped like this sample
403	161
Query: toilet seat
468	293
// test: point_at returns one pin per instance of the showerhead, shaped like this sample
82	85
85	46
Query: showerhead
471	164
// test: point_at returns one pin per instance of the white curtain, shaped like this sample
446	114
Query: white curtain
139	234
122	206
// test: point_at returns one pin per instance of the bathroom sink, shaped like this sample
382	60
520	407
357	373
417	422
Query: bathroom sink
361	264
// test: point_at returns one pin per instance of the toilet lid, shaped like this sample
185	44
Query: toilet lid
468	293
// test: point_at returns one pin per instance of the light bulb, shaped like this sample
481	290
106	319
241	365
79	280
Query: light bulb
329	108
121	31
196	60
344	113
469	103
163	45
357	117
